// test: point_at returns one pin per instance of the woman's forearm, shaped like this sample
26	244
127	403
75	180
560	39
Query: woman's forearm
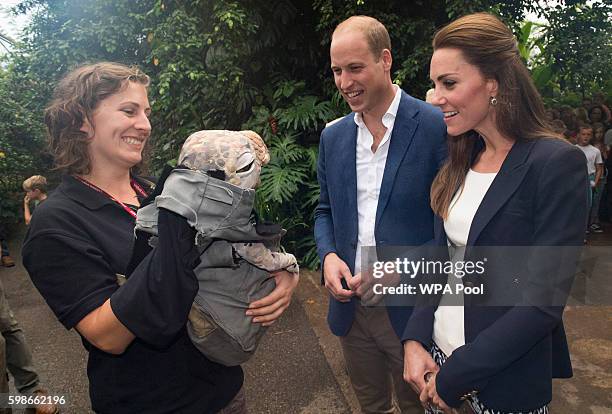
103	330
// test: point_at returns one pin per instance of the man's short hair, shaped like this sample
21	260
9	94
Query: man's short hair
585	126
374	31
35	182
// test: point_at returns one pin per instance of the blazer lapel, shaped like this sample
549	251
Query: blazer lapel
403	132
503	186
440	238
348	170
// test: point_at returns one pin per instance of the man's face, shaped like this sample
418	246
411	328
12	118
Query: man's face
584	136
359	76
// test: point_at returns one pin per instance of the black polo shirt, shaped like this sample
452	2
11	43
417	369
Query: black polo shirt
77	243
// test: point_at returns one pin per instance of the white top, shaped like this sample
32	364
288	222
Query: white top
593	156
449	328
370	169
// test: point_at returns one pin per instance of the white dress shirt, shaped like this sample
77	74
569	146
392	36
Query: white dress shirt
370	169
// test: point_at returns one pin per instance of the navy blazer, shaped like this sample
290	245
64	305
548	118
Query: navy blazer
538	198
404	217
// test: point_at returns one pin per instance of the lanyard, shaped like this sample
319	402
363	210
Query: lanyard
137	188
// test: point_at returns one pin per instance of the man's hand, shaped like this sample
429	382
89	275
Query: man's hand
417	363
363	285
334	270
429	396
269	308
27	215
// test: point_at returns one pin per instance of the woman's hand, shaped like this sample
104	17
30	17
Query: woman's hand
417	364
268	309
429	396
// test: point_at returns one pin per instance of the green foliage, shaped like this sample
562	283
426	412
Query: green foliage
569	56
289	119
260	65
61	35
530	41
532	45
19	143
578	46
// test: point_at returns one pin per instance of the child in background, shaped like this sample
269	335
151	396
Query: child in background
595	169
18	352
600	200
36	191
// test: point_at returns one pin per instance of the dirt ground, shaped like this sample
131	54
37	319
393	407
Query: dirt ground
299	367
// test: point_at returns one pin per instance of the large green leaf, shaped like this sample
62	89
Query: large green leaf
542	75
281	183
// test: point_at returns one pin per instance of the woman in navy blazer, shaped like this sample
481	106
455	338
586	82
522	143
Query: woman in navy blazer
507	182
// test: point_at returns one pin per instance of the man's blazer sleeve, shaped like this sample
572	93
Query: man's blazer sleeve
324	225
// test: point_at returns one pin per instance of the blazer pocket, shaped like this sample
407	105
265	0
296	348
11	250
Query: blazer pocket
516	212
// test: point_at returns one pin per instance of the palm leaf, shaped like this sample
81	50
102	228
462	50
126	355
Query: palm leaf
311	155
280	184
311	198
285	150
307	249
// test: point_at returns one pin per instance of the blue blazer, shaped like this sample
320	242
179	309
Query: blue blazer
538	198
403	216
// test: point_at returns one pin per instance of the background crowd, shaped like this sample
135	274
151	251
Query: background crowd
594	118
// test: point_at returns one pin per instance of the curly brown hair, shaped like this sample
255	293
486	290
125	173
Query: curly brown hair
75	99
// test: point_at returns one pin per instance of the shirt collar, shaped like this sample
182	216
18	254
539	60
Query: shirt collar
82	194
88	197
389	115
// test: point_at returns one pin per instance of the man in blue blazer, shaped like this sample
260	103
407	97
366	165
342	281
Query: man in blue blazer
375	169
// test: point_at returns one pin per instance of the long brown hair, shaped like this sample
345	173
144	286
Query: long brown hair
75	99
488	44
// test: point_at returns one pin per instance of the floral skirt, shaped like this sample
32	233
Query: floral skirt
478	407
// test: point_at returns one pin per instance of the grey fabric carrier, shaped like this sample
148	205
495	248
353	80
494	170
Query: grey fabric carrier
221	214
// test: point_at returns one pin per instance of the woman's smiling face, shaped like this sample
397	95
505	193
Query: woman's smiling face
120	128
461	92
